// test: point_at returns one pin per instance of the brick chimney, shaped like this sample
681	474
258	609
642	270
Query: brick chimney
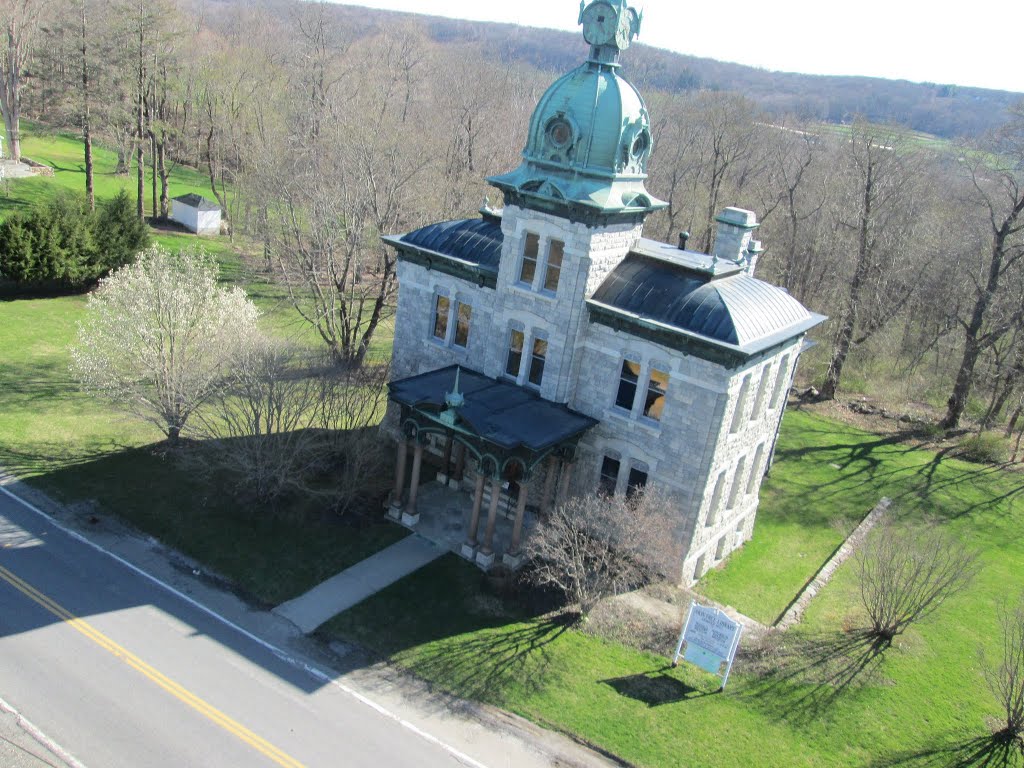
735	228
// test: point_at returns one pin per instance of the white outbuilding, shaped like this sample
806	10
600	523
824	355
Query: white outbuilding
197	214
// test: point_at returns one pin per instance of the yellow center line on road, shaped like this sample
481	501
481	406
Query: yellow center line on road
178	691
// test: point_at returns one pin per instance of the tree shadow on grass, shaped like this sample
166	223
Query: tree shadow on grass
799	676
868	463
487	664
655	688
999	750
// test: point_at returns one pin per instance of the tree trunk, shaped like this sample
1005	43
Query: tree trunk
844	340
161	162
152	170
123	164
10	92
1018	411
974	343
90	193
140	119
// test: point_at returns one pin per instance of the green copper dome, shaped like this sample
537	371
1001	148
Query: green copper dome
590	135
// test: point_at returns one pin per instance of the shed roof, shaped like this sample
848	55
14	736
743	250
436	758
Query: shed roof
198	202
500	412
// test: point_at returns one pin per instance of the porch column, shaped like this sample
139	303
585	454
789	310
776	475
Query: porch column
478	500
549	485
563	486
447	460
395	508
411	516
486	555
520	512
460	463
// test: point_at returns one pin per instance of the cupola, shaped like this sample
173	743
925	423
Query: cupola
590	136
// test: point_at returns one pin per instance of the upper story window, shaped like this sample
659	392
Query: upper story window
609	479
463	315
648	400
441	309
537	358
515	353
528	270
451	321
762	390
654	402
553	270
781	380
741	405
628	380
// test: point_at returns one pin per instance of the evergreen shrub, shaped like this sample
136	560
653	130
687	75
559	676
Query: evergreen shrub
62	246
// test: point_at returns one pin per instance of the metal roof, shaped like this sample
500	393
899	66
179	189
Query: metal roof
471	241
198	202
500	412
737	312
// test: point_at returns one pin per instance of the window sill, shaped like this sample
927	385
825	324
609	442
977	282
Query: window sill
615	413
527	290
439	344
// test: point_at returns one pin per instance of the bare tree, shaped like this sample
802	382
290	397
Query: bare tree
283	418
997	177
20	19
1006	677
594	546
905	575
882	218
160	335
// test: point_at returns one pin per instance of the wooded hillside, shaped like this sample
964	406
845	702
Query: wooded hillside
321	127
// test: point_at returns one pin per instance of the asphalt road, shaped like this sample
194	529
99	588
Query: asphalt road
121	672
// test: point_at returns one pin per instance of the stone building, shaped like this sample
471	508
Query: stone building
548	346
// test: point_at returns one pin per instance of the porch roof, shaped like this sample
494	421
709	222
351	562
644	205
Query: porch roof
497	411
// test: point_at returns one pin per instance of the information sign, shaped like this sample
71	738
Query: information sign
709	640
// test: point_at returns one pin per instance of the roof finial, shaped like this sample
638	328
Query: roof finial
455	399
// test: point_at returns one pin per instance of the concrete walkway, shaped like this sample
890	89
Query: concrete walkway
352	586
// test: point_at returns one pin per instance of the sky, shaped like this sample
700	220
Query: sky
962	43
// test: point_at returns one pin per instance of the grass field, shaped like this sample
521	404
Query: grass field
81	450
829	698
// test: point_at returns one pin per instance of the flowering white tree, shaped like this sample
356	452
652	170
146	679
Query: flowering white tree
160	335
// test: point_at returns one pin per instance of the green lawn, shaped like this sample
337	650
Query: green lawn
64	154
826	478
829	699
79	449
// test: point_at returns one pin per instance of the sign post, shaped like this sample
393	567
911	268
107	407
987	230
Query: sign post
710	640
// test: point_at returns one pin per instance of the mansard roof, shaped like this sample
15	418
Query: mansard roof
698	302
466	248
